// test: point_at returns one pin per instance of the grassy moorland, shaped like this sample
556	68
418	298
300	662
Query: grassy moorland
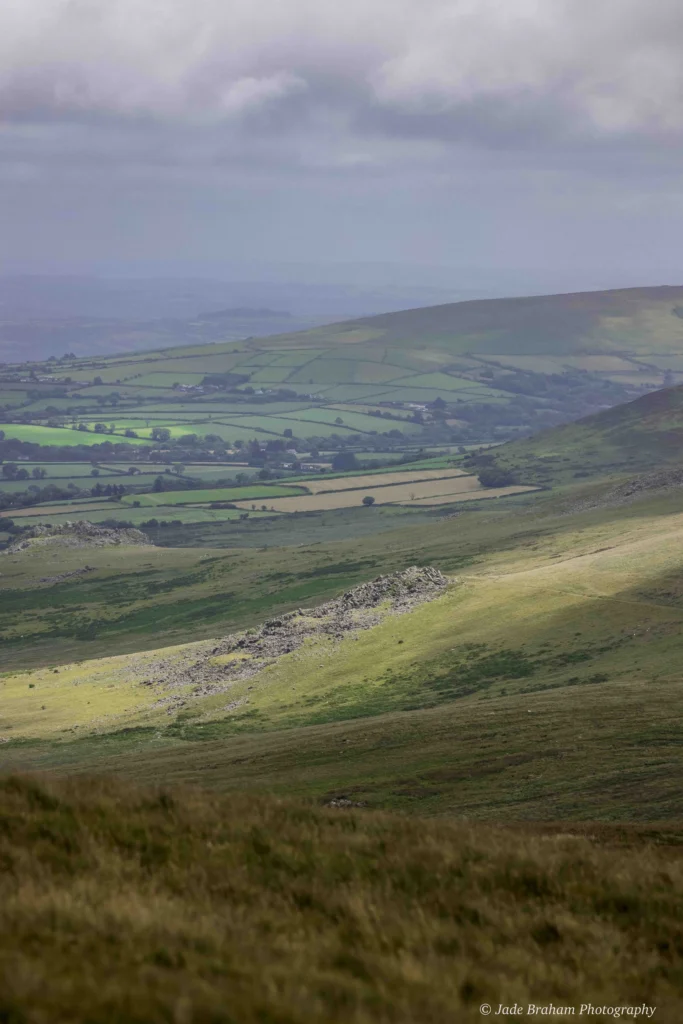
224	575
542	684
455	745
146	905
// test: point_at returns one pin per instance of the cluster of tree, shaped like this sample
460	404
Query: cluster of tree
108	490
188	483
344	462
36	495
489	472
385	414
35	394
10	471
496	476
12	449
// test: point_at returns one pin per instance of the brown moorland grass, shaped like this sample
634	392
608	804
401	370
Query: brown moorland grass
144	906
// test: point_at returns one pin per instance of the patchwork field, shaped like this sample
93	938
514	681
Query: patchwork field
175	514
430	492
480	494
310	494
559	352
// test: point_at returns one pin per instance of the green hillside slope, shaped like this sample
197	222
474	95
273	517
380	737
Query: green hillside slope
630	320
543	683
642	435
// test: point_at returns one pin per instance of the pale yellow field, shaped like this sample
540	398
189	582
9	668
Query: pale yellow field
427	492
45	510
488	492
350	483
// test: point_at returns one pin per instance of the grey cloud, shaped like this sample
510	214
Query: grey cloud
605	67
447	130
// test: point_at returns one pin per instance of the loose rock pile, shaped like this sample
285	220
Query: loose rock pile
78	534
400	587
247	653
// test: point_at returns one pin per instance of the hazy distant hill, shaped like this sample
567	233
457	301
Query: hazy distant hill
117	317
634	320
465	373
41	338
42	316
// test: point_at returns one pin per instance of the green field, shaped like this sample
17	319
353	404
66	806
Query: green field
60	437
236	426
352	421
311	422
178	514
198	496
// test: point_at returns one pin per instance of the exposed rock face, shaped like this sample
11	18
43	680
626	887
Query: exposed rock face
411	585
212	668
78	534
625	493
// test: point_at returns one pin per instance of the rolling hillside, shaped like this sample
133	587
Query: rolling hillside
639	436
541	683
288	668
635	320
468	372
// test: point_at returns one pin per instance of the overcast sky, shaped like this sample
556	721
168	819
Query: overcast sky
183	136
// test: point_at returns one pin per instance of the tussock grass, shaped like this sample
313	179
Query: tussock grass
141	905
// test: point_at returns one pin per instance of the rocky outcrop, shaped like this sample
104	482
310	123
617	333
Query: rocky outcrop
414	584
212	669
80	534
662	480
